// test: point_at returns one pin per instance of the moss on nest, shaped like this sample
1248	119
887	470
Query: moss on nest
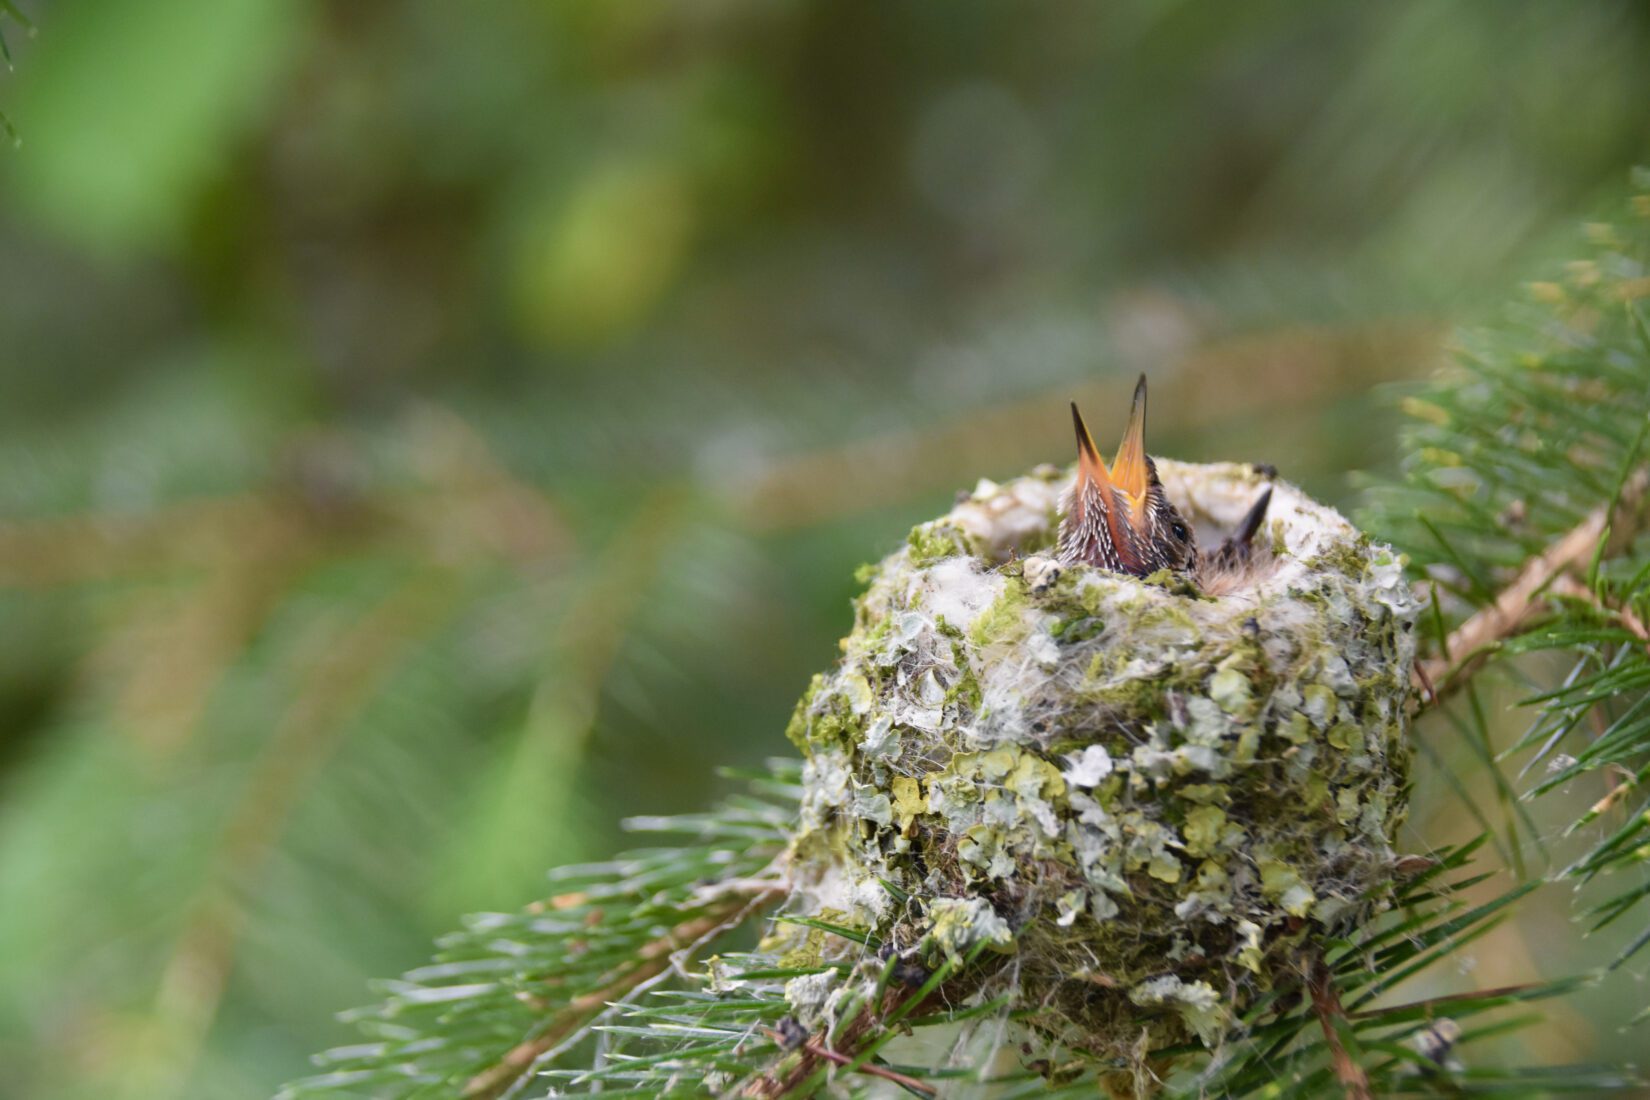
1147	795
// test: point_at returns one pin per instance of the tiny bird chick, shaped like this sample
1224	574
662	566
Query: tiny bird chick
1119	518
1235	559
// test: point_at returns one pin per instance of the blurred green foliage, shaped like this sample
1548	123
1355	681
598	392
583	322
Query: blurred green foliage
430	434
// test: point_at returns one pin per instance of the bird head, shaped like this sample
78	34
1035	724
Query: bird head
1118	518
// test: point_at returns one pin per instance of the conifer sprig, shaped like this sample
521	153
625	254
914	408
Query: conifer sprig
511	989
480	1022
1524	503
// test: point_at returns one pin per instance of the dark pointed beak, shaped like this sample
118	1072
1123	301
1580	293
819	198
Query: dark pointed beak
1089	463
1246	531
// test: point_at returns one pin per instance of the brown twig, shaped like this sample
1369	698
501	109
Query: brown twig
771	1085
1471	643
820	1050
1619	782
651	961
1422	680
1567	585
1326	1004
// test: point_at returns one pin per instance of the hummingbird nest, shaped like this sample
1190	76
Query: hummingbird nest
1141	794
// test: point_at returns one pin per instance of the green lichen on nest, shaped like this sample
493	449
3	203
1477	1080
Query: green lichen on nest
1146	797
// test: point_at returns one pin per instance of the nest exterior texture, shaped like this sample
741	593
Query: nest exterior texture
1143	797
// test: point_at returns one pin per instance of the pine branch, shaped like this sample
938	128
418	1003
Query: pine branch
1525	499
1609	527
513	991
729	1031
650	960
737	1039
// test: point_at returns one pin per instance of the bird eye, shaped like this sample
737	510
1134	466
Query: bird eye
1178	530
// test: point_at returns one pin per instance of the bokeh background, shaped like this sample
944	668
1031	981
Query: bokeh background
431	432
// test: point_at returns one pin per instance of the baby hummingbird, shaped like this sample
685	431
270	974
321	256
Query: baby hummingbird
1118	518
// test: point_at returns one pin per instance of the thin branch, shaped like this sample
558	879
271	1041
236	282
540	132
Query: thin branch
820	1050
769	1086
652	960
1326	1005
759	893
1567	585
1471	643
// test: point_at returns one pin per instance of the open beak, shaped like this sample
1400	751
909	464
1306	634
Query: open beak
1128	470
1092	473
